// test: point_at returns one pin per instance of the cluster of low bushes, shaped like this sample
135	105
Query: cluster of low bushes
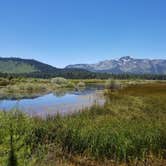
59	82
21	87
29	87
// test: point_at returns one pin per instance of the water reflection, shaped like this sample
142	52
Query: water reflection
62	101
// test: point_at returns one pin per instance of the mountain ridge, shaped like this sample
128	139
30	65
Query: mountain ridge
125	64
103	69
13	66
34	65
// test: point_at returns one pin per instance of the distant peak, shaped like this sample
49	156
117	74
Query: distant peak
126	58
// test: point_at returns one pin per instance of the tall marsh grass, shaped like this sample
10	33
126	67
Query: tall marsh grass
130	127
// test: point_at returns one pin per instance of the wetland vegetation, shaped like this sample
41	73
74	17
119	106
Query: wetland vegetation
18	88
130	129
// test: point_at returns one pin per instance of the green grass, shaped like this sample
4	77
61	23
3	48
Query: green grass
130	127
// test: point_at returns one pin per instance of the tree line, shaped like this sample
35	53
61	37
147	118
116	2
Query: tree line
79	74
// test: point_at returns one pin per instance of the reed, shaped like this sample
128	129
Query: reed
129	128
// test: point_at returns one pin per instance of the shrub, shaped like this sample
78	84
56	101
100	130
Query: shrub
70	85
59	80
112	84
81	84
4	82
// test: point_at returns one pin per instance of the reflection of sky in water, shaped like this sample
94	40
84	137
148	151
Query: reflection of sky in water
50	103
40	101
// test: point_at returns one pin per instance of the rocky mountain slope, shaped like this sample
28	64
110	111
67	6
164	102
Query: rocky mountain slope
126	64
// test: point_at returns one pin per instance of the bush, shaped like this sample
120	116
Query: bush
4	82
81	84
112	84
70	85
59	80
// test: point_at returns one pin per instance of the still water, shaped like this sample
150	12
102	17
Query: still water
63	102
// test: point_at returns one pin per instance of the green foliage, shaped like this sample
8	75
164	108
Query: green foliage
21	87
112	84
81	84
15	130
131	126
59	80
4	82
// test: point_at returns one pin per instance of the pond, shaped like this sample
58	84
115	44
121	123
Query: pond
62	101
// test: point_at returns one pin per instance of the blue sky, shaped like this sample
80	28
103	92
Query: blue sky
61	32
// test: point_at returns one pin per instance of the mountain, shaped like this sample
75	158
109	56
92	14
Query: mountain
33	68
18	65
125	64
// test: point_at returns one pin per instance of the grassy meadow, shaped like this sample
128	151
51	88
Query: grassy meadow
130	129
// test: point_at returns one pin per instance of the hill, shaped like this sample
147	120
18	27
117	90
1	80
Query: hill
33	68
18	65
